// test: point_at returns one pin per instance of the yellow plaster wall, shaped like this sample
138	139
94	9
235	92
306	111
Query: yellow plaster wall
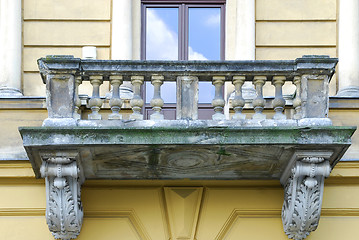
291	29
67	9
284	30
299	24
296	10
346	117
201	210
185	209
10	140
62	27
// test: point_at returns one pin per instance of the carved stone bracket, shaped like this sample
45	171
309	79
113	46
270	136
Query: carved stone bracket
63	176
303	195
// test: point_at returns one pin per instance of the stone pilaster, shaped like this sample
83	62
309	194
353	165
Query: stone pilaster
121	34
246	39
10	48
348	48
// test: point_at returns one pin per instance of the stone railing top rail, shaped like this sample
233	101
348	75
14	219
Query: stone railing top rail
308	64
310	75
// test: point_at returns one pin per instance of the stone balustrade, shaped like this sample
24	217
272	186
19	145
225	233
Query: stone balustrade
310	75
297	146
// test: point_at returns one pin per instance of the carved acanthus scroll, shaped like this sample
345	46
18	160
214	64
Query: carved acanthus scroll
303	196
64	212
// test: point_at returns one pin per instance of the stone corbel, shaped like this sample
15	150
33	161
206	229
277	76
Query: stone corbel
63	177
303	192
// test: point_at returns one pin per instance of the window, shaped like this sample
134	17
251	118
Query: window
183	30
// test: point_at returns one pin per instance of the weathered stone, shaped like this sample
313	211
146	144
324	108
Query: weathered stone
303	180
115	101
187	97
259	102
245	149
204	70
278	102
157	102
238	101
314	96
136	101
63	178
218	102
60	95
300	151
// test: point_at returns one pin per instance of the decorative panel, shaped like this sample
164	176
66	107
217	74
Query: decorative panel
183	205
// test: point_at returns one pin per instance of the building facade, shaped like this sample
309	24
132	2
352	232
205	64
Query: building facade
199	209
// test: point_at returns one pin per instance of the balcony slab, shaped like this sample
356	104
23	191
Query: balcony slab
184	149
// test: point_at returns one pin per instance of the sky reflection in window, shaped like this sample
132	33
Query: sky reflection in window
204	34
162	43
162	34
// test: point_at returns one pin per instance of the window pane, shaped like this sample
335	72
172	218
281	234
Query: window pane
206	92
204	34
168	92
204	42
162	33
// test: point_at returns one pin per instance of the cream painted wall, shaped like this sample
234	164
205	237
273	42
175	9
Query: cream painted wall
282	31
151	209
159	210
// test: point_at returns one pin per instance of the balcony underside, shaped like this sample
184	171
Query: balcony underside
184	149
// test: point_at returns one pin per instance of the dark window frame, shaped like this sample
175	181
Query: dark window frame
183	39
183	22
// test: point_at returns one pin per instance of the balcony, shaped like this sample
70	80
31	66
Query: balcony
299	146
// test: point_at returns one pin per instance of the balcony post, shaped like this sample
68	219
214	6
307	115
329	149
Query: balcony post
60	99
315	97
187	97
58	73
314	88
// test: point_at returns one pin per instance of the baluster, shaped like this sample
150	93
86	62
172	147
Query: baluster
297	101
238	101
218	101
259	102
136	102
115	101
95	102
157	101
78	81
278	102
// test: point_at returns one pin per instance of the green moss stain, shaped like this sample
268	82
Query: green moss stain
222	151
